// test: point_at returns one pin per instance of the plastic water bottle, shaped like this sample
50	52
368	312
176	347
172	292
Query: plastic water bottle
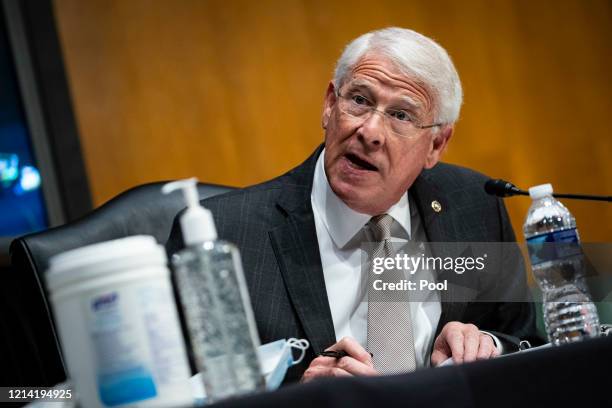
558	266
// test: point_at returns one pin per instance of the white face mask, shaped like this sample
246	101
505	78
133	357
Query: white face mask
275	358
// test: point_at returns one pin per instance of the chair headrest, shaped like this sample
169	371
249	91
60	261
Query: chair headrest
140	210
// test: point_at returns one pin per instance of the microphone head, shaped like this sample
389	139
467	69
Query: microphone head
501	188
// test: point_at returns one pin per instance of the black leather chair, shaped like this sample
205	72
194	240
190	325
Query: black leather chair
32	339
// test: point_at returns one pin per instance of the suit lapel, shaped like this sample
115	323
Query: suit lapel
297	253
440	226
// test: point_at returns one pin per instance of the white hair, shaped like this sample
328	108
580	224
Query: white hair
417	56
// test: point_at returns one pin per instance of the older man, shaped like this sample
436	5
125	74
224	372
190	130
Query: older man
388	115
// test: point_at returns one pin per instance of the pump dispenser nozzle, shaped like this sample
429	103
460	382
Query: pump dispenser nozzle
197	222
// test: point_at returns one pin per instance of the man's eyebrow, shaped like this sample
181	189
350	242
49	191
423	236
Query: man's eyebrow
361	84
414	105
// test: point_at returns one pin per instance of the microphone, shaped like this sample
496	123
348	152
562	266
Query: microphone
503	188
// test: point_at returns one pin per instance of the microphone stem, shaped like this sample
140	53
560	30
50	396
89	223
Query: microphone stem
583	197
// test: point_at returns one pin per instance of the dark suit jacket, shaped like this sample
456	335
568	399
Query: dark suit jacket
273	226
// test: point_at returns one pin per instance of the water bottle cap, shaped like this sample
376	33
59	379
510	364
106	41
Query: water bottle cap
540	191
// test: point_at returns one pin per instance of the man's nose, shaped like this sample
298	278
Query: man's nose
372	131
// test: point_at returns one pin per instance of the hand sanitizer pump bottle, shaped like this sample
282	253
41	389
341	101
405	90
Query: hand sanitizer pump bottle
215	302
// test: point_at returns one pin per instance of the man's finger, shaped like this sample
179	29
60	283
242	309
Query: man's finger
355	367
354	349
438	357
455	343
486	348
324	361
322	371
471	345
441	351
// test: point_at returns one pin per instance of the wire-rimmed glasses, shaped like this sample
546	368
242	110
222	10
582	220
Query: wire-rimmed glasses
397	121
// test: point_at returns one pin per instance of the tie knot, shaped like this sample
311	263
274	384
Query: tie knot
381	226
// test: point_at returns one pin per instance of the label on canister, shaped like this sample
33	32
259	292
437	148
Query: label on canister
136	343
121	374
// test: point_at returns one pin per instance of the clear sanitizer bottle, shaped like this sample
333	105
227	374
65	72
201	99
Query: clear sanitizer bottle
215	302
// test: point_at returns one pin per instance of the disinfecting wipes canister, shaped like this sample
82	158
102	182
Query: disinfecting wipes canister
118	325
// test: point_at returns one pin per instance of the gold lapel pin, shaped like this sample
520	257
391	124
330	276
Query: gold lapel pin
437	207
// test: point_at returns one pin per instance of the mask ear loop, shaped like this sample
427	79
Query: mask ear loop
300	344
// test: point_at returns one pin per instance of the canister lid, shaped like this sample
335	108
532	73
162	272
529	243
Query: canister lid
93	261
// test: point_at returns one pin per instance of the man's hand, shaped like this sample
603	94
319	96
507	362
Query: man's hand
462	342
358	362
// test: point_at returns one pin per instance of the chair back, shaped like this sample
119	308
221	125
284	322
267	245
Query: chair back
140	210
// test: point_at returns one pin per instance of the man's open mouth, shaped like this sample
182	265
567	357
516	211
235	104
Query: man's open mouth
360	163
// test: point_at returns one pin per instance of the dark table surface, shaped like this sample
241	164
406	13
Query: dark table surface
577	375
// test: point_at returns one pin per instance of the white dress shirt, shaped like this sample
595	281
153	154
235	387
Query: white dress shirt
340	231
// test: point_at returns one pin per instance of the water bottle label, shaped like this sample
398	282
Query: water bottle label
553	246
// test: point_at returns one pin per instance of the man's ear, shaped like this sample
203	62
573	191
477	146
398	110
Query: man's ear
330	100
438	145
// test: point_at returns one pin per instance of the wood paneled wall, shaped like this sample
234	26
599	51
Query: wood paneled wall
231	91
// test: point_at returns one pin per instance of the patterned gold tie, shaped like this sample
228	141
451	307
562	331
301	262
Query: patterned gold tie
390	336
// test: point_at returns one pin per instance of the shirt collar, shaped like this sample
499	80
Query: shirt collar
342	222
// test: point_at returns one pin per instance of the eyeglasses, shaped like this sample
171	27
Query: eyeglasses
397	121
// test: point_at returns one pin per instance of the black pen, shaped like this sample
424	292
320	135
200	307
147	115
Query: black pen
337	354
